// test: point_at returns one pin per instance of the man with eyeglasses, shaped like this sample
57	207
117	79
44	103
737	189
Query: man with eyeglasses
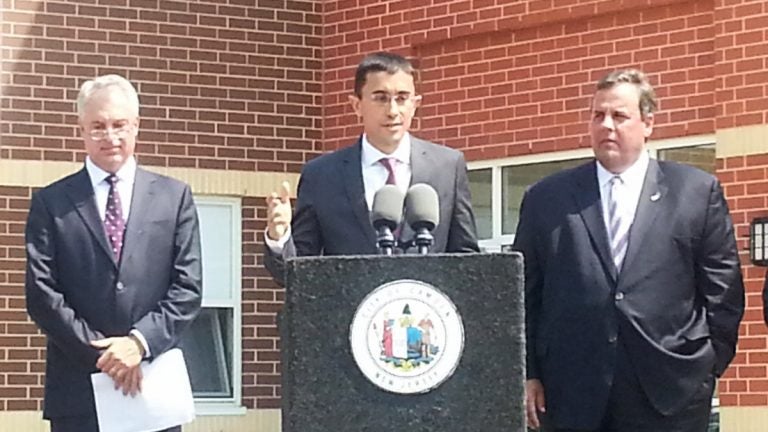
113	261
336	190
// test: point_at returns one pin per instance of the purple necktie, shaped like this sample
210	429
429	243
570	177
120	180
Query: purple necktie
389	164
113	218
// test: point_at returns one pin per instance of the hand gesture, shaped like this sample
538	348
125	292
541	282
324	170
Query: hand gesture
279	212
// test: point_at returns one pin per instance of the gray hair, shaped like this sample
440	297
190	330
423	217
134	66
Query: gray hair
105	81
647	95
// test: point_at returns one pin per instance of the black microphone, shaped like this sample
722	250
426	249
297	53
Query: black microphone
422	212
386	214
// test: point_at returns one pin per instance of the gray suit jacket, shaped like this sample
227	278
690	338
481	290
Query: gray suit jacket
331	216
676	304
77	293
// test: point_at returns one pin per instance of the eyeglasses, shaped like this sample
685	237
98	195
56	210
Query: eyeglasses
120	133
385	99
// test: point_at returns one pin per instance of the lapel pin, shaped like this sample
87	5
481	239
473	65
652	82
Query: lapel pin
656	196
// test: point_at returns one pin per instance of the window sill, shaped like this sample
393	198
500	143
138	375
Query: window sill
206	408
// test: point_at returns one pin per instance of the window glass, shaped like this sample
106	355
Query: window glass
481	190
702	157
515	179
207	346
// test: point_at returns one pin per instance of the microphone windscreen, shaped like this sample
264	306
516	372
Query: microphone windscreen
387	208
422	207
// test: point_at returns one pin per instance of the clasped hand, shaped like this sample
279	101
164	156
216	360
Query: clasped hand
121	360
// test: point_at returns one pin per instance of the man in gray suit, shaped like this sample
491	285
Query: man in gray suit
336	190
113	261
632	278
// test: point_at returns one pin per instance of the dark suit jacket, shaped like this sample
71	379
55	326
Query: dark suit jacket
676	305
331	216
77	293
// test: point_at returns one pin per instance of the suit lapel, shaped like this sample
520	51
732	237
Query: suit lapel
587	194
421	168
141	208
651	201
80	192
355	189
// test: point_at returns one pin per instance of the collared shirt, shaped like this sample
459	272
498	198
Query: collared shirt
374	177
126	176
633	179
374	172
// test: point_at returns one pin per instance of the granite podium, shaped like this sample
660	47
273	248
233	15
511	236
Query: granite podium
324	388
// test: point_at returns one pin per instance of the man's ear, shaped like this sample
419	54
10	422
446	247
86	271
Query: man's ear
417	101
648	125
355	102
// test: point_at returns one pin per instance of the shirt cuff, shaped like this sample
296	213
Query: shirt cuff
276	246
137	334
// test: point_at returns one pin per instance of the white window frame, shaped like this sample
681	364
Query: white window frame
232	405
497	240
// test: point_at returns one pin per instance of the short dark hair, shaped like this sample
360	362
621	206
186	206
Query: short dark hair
380	62
648	103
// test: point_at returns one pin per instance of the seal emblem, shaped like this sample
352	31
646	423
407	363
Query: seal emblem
407	337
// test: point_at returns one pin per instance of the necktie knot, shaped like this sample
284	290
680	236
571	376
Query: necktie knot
112	179
389	164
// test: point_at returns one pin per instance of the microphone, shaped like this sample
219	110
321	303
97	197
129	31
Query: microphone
422	212
386	214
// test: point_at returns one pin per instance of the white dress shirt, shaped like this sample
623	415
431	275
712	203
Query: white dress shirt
633	179
374	177
126	177
375	173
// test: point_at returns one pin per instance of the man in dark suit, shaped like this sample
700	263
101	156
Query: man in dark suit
633	286
336	190
113	261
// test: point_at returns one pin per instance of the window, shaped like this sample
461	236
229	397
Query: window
212	344
498	186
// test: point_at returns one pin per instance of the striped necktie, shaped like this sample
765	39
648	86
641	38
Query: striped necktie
618	221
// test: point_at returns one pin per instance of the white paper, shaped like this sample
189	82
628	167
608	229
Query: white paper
165	399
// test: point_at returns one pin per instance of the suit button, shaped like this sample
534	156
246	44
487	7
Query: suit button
120	286
619	296
612	339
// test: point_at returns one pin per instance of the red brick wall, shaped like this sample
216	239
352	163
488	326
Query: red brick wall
22	348
223	84
231	85
262	299
741	56
505	78
516	77
745	179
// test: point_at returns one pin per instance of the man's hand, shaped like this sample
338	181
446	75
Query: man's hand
534	402
120	360
279	212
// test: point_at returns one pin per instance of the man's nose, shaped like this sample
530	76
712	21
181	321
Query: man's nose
608	122
392	108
